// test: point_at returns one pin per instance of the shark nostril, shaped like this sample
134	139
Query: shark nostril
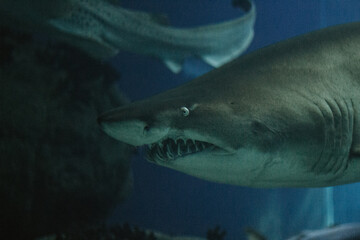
146	128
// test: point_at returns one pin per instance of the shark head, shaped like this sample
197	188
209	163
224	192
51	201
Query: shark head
282	116
173	125
203	128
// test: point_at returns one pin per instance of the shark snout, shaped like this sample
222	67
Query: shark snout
131	131
128	131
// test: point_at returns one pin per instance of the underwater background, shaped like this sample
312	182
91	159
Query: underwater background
60	174
179	204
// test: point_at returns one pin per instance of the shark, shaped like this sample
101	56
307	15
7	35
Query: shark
286	115
102	28
347	231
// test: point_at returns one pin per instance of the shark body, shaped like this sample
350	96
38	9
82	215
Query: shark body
119	29
102	28
286	115
348	231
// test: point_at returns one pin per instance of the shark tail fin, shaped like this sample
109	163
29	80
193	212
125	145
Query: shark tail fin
223	41
252	234
234	38
217	59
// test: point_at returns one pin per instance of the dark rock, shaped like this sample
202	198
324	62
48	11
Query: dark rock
216	234
58	171
116	232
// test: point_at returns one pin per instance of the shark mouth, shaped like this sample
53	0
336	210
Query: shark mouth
170	149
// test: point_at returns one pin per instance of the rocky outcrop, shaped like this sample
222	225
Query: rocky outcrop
58	171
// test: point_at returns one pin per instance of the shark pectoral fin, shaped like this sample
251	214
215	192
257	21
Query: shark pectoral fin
226	55
216	60
232	38
174	65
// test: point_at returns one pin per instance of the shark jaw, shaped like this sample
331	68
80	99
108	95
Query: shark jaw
163	145
170	149
180	146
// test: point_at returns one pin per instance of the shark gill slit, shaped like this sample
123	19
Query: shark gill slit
337	134
336	150
346	133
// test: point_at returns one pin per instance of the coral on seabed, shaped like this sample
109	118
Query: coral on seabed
126	232
117	232
58	171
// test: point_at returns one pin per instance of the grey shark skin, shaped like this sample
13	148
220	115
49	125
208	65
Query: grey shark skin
120	29
283	116
348	231
102	28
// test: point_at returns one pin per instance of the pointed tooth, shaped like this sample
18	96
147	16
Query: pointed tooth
157	152
147	156
169	155
169	152
157	155
193	146
189	145
182	146
196	146
161	152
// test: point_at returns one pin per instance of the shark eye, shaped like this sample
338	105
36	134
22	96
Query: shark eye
185	111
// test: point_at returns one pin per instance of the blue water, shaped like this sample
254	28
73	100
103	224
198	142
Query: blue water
175	203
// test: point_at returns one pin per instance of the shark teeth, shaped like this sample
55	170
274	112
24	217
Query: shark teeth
170	149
